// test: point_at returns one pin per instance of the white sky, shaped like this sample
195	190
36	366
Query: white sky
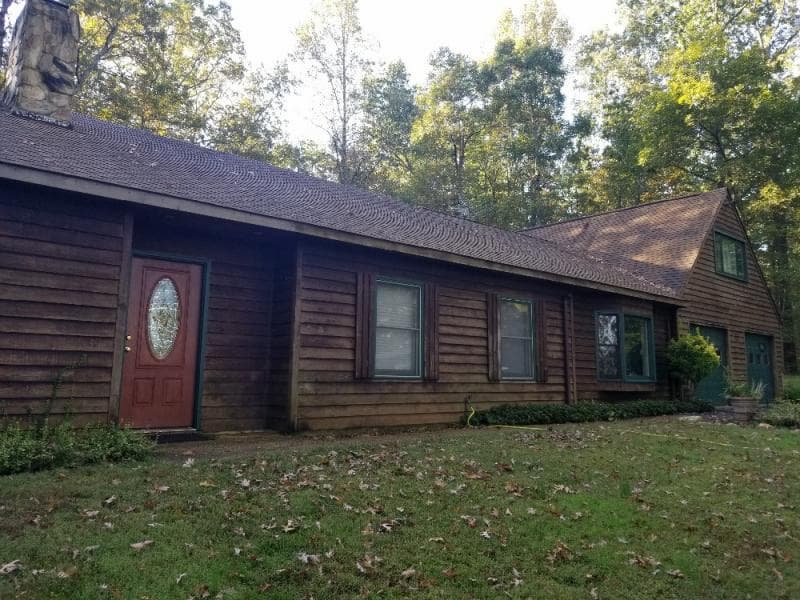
407	29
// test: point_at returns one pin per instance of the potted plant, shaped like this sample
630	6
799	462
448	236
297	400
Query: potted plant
744	398
691	358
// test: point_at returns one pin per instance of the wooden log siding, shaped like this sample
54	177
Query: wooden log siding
737	306
330	393
245	382
588	387
59	281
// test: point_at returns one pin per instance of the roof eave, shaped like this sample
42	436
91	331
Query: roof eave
111	191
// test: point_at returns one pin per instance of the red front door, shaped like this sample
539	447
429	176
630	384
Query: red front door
158	379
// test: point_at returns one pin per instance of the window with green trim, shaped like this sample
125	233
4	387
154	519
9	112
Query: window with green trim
624	347
398	329
729	256
517	340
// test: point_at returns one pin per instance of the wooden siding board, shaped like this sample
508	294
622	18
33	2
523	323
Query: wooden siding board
246	306
60	261
739	307
331	392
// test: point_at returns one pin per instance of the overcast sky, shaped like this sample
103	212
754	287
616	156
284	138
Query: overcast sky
404	29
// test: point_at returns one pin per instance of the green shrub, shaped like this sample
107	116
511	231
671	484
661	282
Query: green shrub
540	414
791	389
33	449
692	357
783	414
739	389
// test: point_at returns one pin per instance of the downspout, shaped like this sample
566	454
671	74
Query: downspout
569	348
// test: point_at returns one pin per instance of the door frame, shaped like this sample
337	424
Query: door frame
205	284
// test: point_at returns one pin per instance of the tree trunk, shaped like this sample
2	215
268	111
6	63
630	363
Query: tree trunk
4	29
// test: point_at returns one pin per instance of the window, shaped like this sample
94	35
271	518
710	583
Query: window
516	340
637	348
624	347
608	359
398	325
729	255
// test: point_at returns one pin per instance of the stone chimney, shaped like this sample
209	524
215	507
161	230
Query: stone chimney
42	62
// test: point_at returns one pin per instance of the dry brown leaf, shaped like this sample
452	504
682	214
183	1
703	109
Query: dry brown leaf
8	568
141	545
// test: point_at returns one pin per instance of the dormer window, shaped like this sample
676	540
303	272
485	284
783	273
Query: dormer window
729	256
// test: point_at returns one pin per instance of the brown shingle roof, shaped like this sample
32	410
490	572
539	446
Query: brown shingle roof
659	241
99	151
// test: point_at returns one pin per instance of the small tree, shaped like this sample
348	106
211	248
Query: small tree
692	357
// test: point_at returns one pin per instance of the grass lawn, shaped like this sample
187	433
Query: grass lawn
645	509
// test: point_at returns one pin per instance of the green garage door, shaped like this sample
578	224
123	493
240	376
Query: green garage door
759	363
712	388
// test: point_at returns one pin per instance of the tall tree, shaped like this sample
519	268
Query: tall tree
332	47
451	119
389	113
700	96
162	65
5	28
250	123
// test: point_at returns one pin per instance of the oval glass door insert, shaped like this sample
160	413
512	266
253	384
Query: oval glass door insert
163	318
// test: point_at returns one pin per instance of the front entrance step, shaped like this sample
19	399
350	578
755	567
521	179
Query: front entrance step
177	436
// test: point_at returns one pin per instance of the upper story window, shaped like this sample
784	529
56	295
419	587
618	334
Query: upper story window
729	256
624	347
516	340
398	329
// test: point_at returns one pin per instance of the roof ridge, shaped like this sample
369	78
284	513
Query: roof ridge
623	209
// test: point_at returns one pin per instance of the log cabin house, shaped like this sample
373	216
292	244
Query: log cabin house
163	285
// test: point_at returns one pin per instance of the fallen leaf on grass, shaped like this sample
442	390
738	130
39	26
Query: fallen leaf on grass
308	559
560	553
8	568
110	500
180	577
141	545
677	574
471	521
368	563
477	475
408	573
67	573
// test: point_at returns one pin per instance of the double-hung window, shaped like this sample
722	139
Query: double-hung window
729	256
624	347
517	343
398	329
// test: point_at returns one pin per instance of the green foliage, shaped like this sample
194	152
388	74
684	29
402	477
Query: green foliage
332	49
162	65
531	414
783	414
692	357
791	389
33	449
689	97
